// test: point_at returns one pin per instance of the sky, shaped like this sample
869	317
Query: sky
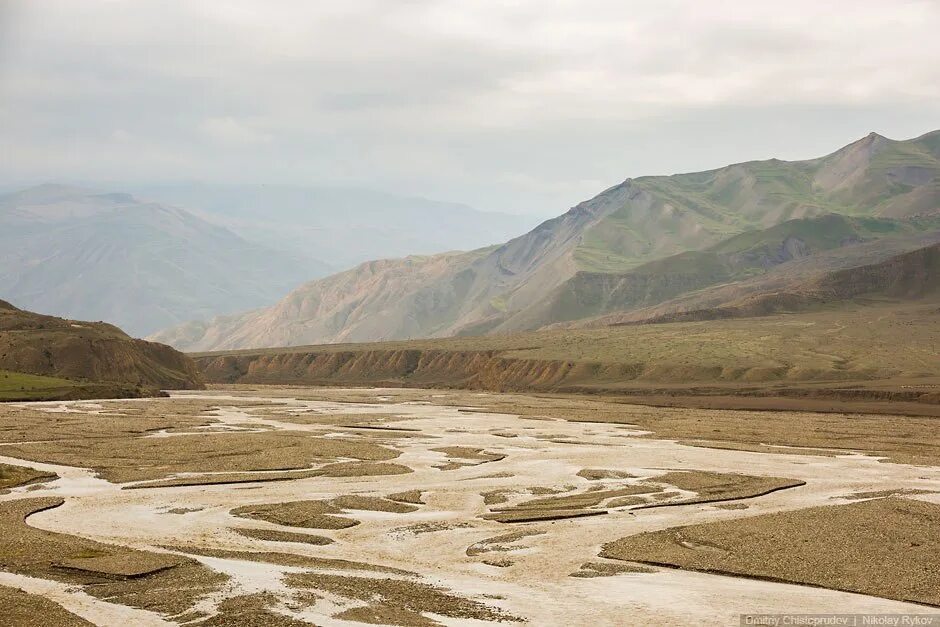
525	106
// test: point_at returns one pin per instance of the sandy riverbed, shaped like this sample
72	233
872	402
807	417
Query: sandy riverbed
517	460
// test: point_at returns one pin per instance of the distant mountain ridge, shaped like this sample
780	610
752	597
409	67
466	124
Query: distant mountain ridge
88	254
343	226
693	225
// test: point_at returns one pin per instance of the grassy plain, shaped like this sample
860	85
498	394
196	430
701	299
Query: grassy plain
16	386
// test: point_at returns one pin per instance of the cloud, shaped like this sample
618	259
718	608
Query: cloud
519	106
229	130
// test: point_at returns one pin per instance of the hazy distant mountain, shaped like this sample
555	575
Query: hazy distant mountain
83	254
344	226
621	250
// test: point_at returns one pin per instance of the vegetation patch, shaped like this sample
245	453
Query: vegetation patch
251	609
154	581
31	610
341	469
502	543
14	476
138	459
711	487
372	503
397	601
409	496
590	570
275	535
832	546
306	514
877	494
540	515
19	386
457	454
289	559
362	469
898	438
599	474
580	500
428	527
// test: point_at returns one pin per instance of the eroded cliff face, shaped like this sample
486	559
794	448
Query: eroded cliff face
484	370
479	370
85	358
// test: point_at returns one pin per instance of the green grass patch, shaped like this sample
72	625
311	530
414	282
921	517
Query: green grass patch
499	303
13	476
22	386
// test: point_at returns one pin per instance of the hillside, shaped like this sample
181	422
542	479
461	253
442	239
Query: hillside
853	358
47	357
910	276
730	224
795	249
107	256
343	226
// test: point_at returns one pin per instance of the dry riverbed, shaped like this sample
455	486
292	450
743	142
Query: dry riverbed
293	506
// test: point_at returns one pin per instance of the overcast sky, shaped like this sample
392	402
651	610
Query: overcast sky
525	106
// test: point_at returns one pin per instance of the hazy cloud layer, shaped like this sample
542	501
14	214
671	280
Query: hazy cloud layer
525	106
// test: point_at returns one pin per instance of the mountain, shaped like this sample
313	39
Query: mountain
795	248
638	243
344	226
108	256
48	357
912	275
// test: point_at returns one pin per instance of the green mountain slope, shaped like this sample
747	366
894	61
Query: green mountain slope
910	276
741	257
874	176
639	242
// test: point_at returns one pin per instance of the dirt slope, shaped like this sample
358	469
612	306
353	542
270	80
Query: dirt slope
89	352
